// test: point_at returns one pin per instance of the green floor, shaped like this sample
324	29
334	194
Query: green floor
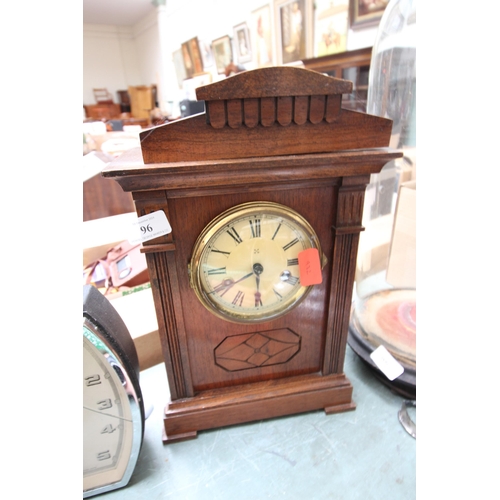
364	454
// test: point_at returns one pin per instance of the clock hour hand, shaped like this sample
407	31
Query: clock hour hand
257	269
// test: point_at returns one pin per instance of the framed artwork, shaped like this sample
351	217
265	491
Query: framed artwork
242	43
331	22
223	53
187	59
180	69
262	37
365	13
293	21
192	57
194	47
206	54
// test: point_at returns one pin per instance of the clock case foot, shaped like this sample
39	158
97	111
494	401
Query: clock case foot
223	407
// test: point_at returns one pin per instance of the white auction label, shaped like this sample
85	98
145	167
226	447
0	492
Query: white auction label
386	362
149	227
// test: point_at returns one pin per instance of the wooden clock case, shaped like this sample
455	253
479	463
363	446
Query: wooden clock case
273	134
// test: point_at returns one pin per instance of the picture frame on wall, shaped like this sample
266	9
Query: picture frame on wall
194	47
243	48
180	69
187	59
293	26
365	13
331	23
223	53
261	36
206	54
192	57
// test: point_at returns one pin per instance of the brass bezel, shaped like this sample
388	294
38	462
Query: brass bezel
224	219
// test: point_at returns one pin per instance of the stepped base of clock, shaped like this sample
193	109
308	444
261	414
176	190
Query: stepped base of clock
247	403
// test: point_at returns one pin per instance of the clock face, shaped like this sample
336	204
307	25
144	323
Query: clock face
245	265
112	425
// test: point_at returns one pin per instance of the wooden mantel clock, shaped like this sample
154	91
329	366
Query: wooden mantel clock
252	288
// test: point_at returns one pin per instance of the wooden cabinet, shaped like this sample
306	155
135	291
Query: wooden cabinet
353	65
142	101
108	111
124	100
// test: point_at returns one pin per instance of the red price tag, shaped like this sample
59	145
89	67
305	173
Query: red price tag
310	267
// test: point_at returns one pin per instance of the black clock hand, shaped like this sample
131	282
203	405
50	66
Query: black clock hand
228	284
234	283
244	278
257	269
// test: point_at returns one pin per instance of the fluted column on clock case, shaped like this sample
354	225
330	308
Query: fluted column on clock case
346	229
160	257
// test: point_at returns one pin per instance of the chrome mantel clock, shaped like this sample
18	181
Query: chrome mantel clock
113	409
252	288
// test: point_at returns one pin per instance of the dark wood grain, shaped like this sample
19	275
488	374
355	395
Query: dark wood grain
317	109
285	110
298	109
273	82
208	331
267	112
215	114
167	143
332	111
235	113
136	176
104	198
251	112
268	138
257	401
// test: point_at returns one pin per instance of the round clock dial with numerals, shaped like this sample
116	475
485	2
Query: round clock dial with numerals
245	265
113	410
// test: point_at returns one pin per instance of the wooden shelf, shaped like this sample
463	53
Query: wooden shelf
353	65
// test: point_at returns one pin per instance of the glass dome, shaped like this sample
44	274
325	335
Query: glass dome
384	305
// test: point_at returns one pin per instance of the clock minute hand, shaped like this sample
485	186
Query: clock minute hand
234	283
244	278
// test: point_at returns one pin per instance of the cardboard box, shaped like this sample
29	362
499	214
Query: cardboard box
401	269
135	306
99	235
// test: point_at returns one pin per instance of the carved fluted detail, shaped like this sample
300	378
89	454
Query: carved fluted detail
163	283
346	231
343	265
350	207
269	111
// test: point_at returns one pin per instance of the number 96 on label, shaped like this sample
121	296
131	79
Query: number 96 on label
150	226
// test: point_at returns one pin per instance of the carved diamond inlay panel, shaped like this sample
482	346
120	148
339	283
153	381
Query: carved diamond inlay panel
254	350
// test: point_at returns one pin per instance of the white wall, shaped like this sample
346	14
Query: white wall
116	57
148	50
109	60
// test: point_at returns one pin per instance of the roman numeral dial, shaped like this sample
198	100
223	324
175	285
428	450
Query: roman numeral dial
245	265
